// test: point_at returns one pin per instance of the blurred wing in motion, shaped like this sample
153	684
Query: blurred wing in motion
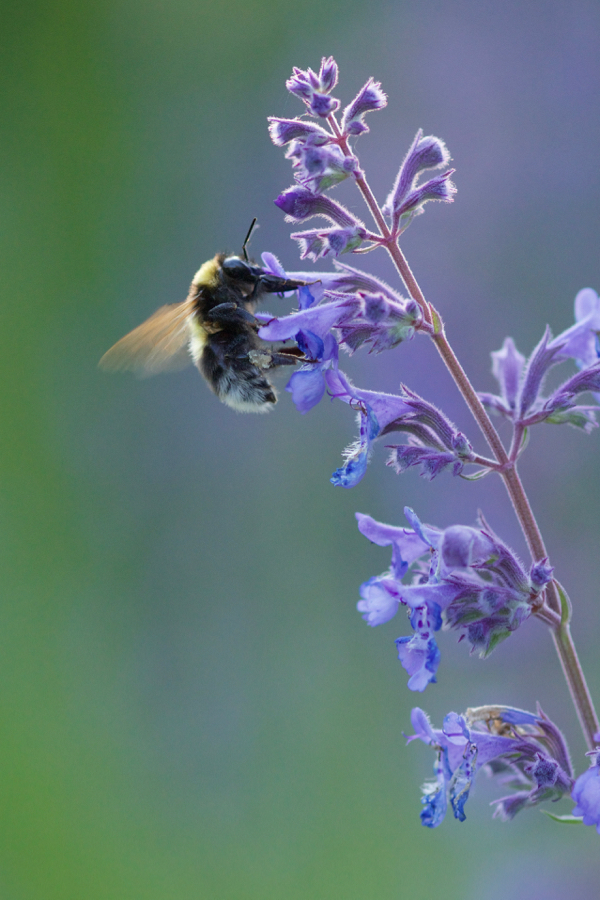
160	344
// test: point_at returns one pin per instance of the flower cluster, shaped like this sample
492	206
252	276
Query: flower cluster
525	750
464	578
460	578
322	158
521	381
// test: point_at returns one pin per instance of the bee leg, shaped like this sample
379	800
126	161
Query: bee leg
230	313
271	359
288	357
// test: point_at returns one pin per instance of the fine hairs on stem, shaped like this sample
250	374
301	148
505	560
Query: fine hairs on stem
463	577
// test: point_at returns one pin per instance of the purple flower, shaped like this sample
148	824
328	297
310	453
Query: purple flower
370	97
419	654
586	793
434	442
580	341
313	88
319	165
521	382
507	367
329	242
463	576
306	385
304	82
300	204
316	319
545	355
375	412
523	748
380	599
284	131
406	198
381	322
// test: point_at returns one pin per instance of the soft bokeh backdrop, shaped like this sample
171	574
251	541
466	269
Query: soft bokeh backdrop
190	704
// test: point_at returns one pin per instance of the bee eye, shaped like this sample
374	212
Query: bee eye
236	268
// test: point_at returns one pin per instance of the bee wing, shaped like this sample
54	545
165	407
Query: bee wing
157	345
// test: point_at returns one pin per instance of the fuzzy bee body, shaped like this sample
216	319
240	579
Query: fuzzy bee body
216	329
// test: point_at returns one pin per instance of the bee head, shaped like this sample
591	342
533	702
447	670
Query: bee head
239	270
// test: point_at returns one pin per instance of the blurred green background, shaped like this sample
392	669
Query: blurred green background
191	707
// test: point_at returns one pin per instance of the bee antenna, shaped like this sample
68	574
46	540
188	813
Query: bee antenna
248	236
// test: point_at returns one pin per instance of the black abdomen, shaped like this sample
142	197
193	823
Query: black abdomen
236	381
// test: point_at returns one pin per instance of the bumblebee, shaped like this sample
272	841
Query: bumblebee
215	328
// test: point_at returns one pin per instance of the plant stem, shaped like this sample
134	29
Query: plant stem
575	678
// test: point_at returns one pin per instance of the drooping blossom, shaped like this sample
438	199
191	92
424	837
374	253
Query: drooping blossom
524	750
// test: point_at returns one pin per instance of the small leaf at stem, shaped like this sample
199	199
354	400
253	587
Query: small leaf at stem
566	608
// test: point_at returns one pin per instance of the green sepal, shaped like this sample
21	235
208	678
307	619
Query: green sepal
583	420
563	820
481	473
496	638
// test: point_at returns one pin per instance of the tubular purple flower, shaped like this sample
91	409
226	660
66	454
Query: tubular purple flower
541	360
407	543
300	204
323	106
524	748
320	166
313	88
370	97
580	341
463	546
328	74
379	600
284	131
586	793
329	242
306	385
386	407
587	379
317	319
429	415
425	153
432	462
351	279
302	83
375	411
419	654
438	188
507	367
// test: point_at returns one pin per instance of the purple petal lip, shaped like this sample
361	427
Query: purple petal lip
410	544
318	319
